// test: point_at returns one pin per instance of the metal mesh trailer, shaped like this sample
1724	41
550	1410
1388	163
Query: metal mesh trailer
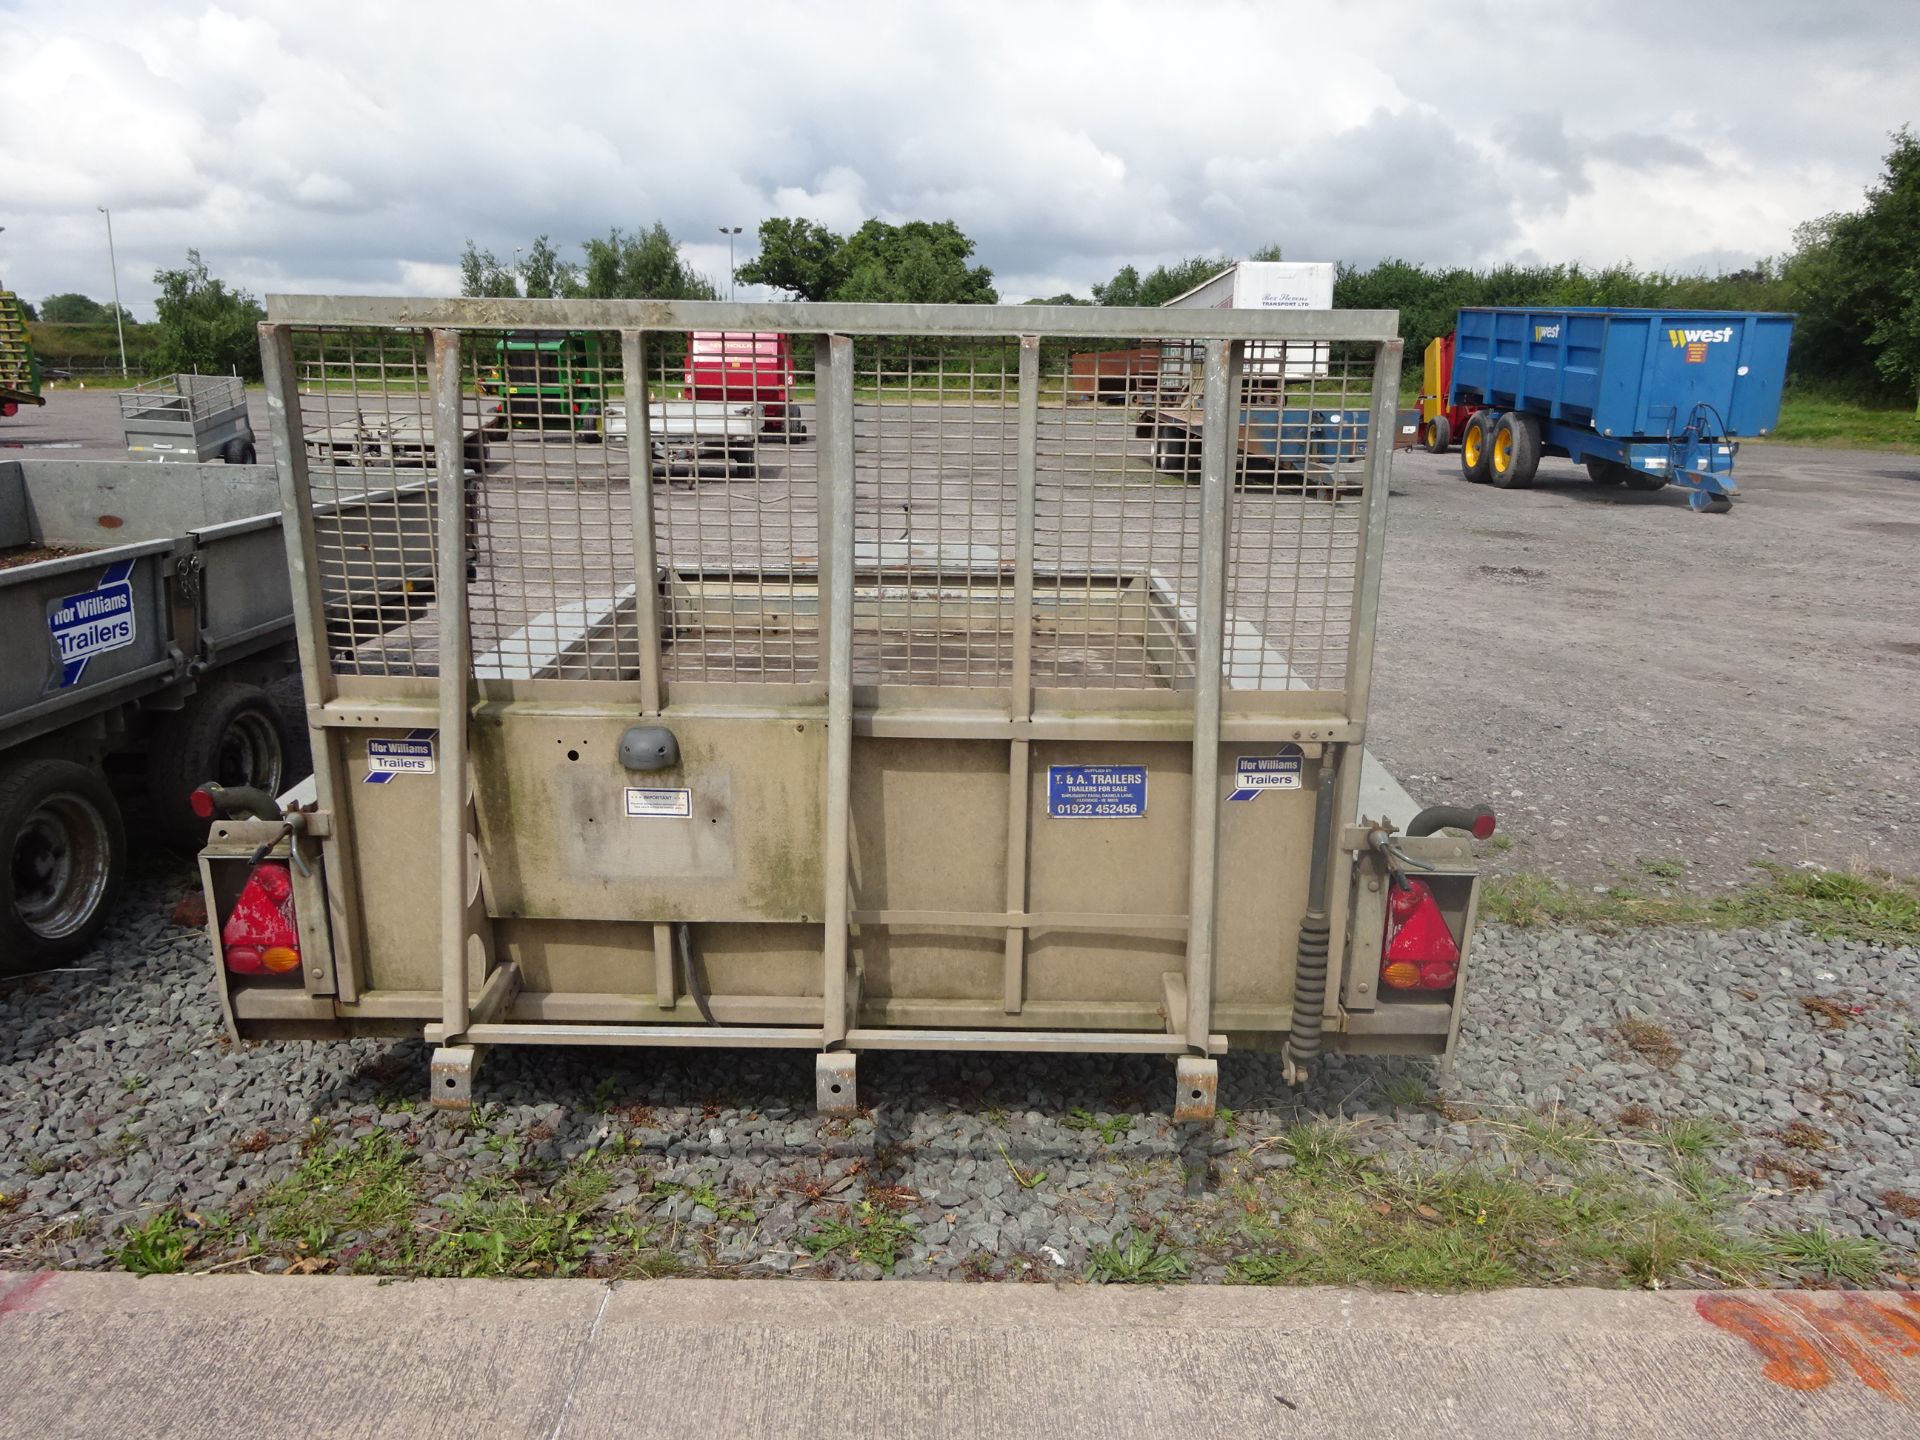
190	418
949	723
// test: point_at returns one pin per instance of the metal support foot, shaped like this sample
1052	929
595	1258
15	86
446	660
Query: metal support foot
453	1068
1196	1087
833	1082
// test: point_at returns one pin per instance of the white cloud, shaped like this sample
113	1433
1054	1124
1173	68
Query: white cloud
354	146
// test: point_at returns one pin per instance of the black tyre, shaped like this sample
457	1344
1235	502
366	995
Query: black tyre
1476	448
239	452
1515	456
1640	480
1437	435
1606	472
66	854
229	732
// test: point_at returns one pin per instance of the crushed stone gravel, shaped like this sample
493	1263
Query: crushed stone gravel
120	1096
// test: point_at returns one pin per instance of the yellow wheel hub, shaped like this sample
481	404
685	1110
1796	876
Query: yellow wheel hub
1502	450
1470	447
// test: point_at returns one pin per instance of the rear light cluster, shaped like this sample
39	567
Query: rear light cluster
260	936
1421	953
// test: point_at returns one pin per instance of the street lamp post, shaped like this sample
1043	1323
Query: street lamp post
729	231
113	262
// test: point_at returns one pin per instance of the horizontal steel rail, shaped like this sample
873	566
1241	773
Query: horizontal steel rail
1051	321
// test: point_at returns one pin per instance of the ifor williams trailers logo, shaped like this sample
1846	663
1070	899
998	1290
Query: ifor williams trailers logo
1697	341
93	622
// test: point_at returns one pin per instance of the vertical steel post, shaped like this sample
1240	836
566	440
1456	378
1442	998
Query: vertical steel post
1019	757
1219	448
450	599
836	463
287	438
1381	419
646	563
1373	543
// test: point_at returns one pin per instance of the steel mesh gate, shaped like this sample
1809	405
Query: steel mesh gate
961	529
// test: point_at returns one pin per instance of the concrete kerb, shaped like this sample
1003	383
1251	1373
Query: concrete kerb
107	1353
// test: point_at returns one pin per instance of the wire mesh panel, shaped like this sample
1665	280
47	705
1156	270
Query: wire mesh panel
549	513
365	423
731	419
935	456
1298	517
734	442
1117	514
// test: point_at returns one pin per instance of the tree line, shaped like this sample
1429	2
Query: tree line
1853	279
200	326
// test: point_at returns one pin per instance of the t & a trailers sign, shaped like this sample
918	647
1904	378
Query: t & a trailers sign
93	622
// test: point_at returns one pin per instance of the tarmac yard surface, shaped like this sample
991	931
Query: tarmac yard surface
1622	679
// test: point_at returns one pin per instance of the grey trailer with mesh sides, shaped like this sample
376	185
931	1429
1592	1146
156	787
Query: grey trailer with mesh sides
948	723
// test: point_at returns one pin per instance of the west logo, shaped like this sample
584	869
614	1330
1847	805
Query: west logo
1546	332
1697	341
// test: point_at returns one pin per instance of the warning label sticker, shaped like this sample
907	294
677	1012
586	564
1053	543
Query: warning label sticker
1254	775
659	804
93	622
1097	792
412	755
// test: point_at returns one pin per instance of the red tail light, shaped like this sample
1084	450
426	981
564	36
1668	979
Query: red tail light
1421	952
260	936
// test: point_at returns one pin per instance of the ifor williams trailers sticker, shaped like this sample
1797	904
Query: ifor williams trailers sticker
1254	775
93	622
412	755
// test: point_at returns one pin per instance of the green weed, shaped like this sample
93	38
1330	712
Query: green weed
1135	1259
159	1247
1110	1130
871	1233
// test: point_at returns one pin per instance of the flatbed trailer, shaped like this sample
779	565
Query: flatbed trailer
142	615
1642	398
955	730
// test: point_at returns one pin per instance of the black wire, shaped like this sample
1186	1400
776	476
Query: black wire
696	983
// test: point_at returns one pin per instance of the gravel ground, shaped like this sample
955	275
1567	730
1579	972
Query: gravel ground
122	1097
1622	678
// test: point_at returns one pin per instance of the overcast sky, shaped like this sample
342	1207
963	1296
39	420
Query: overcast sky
353	147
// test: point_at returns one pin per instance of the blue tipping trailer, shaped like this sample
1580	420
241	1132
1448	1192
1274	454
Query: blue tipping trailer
1311	447
1643	398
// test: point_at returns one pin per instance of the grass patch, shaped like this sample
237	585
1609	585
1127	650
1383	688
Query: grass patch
1690	1138
1827	420
1404	1092
364	1185
1820	1253
1833	904
1564	1214
1571	1142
